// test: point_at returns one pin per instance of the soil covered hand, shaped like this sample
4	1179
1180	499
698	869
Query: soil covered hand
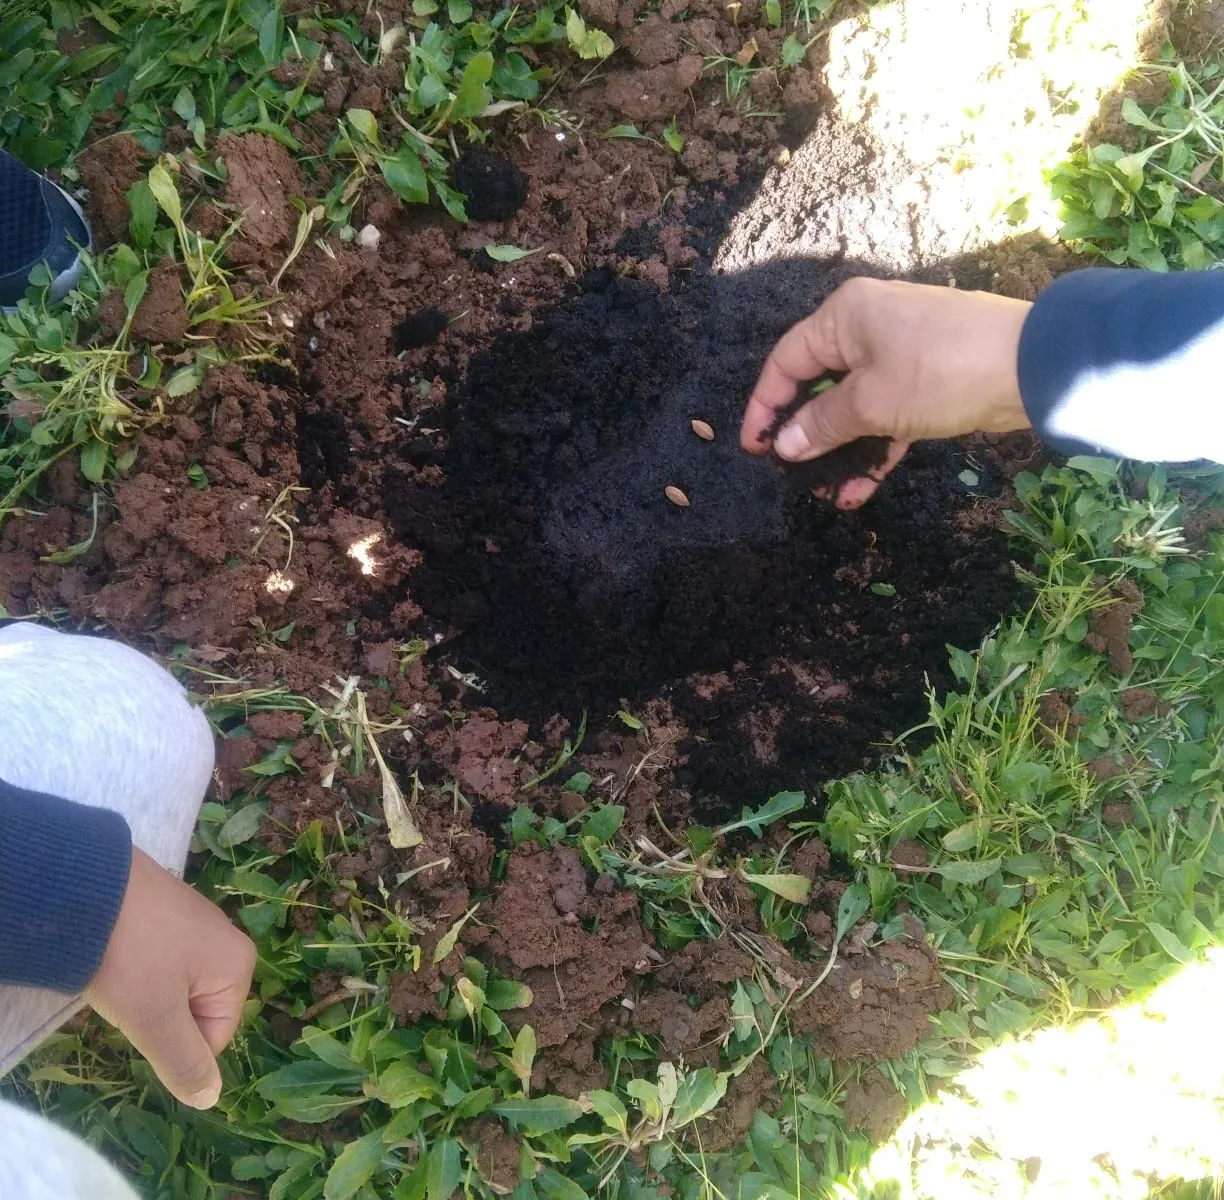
174	979
920	362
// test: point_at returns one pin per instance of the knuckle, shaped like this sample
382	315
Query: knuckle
247	956
859	289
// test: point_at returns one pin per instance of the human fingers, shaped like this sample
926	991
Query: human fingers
806	351
166	1033
854	493
173	979
181	1057
830	419
217	1008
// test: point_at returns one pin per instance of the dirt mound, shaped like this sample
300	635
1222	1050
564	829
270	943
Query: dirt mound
262	178
108	168
1199	29
570	583
161	315
495	188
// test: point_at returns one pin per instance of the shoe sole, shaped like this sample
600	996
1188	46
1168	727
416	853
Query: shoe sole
67	279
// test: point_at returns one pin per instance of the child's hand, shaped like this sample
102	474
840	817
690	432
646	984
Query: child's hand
922	362
174	979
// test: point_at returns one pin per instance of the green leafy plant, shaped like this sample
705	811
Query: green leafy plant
509	254
586	43
208	65
410	169
67	395
1157	206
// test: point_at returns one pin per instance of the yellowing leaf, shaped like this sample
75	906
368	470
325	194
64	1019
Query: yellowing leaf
586	43
471	994
669	1084
523	1057
165	193
608	1105
446	943
795	888
364	122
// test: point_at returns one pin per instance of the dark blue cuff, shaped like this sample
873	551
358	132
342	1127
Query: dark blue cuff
1100	318
63	873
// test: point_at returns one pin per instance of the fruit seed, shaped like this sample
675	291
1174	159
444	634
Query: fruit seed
703	431
676	496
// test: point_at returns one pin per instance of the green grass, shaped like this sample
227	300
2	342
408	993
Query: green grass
1158	206
200	70
76	394
1042	913
1047	917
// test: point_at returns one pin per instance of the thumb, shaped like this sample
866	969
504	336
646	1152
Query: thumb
218	1014
179	1055
825	422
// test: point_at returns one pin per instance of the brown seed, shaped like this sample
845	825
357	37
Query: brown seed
676	496
703	431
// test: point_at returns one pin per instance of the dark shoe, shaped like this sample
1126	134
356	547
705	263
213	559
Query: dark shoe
39	223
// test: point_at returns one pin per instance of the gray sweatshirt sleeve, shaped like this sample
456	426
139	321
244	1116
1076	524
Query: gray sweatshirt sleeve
41	1161
1128	364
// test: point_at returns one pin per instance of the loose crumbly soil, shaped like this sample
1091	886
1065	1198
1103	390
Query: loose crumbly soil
481	532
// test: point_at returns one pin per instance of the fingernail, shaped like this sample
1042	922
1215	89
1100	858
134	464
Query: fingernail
792	442
205	1098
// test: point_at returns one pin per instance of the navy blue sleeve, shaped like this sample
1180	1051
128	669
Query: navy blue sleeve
63	872
1127	363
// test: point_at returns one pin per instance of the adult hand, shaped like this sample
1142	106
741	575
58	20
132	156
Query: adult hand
921	362
174	978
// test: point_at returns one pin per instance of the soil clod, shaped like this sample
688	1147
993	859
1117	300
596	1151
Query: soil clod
419	329
495	188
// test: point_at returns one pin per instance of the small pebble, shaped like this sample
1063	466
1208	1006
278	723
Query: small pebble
676	496
703	430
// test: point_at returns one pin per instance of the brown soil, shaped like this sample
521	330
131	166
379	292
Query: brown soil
1198	29
1117	814
1054	710
1109	627
1196	33
161	315
877	1005
263	179
541	915
1137	703
497	1155
1113	766
755	1089
874	1105
1203	522
108	168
